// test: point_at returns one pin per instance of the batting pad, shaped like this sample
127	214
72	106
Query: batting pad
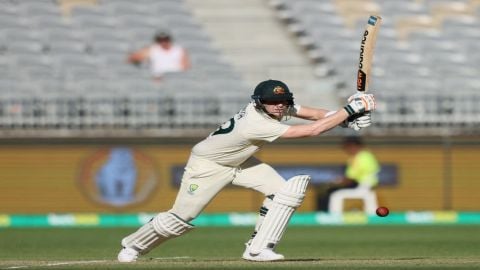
284	204
158	230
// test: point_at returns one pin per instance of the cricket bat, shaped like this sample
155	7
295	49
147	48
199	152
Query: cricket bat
366	52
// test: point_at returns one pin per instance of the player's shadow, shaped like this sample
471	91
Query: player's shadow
355	259
299	259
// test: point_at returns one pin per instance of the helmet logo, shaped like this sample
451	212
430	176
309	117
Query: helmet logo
278	90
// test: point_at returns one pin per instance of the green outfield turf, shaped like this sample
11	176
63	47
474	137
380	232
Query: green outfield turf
322	247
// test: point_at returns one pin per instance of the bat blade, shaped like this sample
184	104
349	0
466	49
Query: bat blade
366	52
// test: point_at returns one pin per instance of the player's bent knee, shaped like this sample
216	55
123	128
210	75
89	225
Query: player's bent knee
293	192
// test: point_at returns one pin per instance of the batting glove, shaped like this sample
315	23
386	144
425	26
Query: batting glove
361	103
357	122
356	95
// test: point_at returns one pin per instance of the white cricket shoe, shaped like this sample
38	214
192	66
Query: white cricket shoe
127	255
266	255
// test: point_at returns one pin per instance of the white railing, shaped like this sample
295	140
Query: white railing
163	115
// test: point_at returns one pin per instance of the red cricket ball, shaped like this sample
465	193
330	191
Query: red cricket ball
382	211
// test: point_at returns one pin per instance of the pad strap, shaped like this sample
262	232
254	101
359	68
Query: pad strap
162	227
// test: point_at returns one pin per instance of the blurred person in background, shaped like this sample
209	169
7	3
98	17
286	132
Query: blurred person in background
226	157
163	56
361	172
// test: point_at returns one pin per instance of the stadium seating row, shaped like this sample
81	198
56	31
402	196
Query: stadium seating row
424	66
57	57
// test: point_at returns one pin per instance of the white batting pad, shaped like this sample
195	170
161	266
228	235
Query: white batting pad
161	228
284	204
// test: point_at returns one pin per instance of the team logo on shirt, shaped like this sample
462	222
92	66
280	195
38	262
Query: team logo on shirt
192	188
278	90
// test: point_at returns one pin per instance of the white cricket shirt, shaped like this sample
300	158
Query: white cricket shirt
240	137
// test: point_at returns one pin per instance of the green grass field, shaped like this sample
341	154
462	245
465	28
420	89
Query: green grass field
322	247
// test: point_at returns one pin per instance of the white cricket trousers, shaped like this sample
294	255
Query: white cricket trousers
204	179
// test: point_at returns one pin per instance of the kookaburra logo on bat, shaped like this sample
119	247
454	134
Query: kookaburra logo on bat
362	48
366	52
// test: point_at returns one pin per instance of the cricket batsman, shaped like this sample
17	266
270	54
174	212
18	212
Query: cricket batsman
226	157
